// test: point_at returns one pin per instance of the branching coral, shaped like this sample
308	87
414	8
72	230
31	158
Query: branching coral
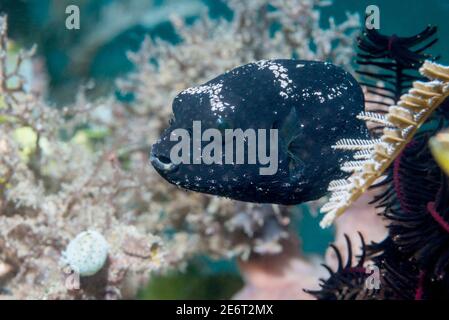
139	13
51	190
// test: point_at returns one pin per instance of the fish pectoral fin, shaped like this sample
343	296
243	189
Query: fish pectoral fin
291	132
296	165
289	128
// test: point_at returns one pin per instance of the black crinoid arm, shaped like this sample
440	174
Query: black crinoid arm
413	193
349	280
414	259
400	278
393	61
416	204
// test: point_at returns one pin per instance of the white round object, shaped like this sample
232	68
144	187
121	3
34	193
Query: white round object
87	253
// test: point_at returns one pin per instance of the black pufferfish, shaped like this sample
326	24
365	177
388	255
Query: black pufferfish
310	104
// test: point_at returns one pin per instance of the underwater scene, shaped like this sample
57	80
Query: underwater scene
224	150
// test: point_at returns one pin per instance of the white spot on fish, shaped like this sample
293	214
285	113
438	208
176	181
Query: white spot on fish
215	96
281	76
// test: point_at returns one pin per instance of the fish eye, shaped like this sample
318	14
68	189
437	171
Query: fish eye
223	124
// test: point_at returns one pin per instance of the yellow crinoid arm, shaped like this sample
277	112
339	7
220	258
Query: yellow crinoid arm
373	157
439	146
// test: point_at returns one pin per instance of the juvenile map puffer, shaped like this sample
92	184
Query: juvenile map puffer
311	104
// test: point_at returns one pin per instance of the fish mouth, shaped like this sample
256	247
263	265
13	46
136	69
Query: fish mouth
163	163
